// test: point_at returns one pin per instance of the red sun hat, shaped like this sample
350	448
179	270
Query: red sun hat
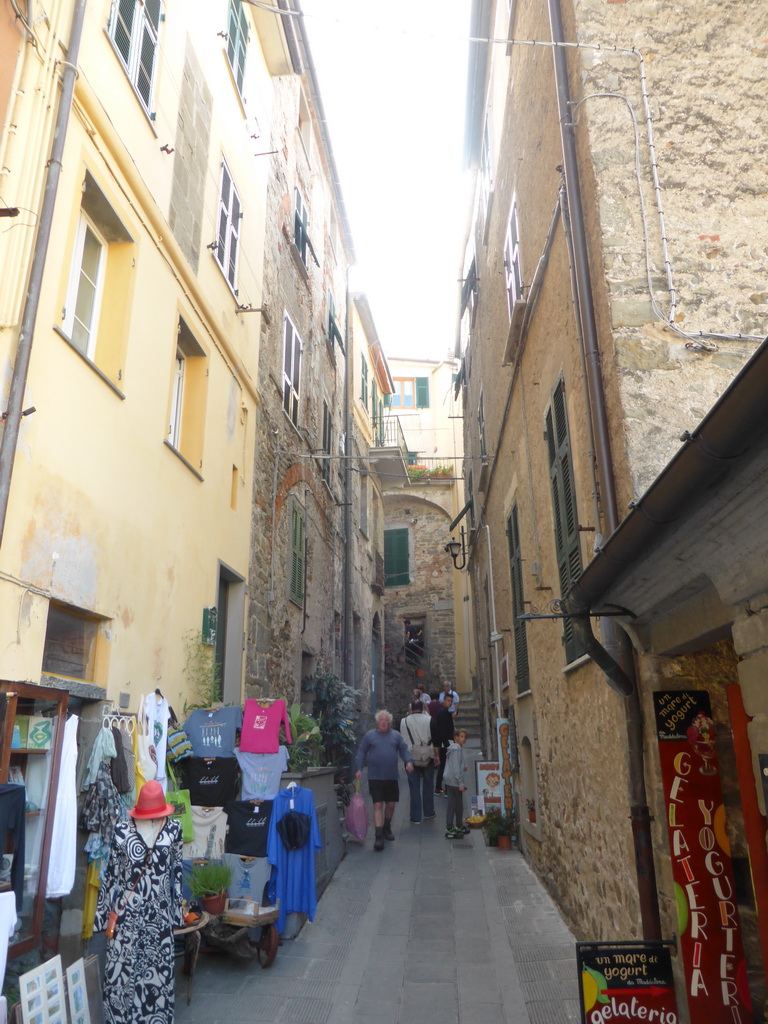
151	802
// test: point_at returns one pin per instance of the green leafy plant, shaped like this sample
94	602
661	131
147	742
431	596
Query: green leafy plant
210	878
202	672
306	751
336	707
497	824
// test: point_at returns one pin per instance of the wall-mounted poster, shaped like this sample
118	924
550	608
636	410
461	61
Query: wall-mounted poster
626	981
504	736
489	783
78	996
41	994
705	894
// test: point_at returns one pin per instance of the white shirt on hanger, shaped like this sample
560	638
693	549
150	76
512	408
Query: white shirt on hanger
61	862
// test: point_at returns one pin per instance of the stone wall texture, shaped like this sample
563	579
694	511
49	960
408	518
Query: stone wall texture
286	642
701	68
427	599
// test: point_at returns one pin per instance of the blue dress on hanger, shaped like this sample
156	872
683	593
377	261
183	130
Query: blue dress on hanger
295	883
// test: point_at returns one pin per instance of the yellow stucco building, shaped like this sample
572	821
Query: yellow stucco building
129	503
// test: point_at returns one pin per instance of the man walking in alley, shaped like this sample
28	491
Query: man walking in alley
379	750
415	729
442	734
446	689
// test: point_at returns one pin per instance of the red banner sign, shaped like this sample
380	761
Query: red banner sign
708	920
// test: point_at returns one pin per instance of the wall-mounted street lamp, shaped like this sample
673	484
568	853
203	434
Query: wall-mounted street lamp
457	549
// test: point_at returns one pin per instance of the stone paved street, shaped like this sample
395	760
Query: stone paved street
429	931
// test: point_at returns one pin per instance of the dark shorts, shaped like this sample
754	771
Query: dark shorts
384	791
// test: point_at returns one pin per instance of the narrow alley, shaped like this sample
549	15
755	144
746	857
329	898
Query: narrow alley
429	930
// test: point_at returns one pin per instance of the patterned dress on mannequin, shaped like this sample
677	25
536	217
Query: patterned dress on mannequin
139	974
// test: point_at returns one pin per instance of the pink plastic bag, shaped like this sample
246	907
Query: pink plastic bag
356	818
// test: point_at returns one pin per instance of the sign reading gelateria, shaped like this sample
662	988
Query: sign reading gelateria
708	920
626	981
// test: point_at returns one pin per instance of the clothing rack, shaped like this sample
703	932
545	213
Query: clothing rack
123	720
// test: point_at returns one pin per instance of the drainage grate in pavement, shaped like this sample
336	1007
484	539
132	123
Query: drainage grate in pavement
546	970
541	991
555	952
553	1012
324	970
306	1011
309	988
315	951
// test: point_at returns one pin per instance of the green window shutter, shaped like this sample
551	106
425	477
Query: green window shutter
387	401
396	558
518	603
422	392
364	381
296	582
567	546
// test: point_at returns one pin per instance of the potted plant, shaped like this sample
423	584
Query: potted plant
530	805
208	882
499	829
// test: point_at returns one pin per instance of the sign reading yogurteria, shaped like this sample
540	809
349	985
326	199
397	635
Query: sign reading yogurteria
626	981
707	916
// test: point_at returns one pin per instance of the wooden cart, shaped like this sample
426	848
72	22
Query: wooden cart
238	937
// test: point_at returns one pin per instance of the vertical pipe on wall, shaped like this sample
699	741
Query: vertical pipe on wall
347	476
13	411
613	638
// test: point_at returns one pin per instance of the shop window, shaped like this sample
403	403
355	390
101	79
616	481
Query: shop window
97	299
70	643
133	28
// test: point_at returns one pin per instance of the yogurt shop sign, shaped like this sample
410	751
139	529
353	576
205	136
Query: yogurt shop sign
707	917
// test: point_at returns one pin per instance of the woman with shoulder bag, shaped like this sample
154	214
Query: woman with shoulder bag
415	730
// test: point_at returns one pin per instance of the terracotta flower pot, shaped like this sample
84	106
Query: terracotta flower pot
214	905
504	842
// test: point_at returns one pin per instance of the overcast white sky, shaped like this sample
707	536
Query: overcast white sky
393	83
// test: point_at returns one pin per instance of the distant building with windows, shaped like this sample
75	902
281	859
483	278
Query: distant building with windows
428	622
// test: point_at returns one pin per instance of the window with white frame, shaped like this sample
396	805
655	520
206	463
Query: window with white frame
512	271
327	443
291	370
98	280
364	503
133	28
363	380
237	42
228	237
86	286
481	430
188	390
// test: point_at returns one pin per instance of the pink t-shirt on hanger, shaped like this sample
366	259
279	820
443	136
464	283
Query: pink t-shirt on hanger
260	732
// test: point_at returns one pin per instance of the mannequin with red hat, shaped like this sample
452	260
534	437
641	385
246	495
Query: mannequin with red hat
139	906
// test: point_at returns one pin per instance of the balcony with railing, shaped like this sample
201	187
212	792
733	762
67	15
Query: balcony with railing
389	452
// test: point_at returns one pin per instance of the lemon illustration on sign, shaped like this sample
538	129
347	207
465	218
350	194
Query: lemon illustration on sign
593	986
682	908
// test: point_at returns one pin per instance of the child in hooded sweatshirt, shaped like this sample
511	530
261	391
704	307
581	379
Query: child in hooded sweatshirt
453	780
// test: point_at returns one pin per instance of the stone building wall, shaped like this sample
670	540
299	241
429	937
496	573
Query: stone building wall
427	599
703	66
286	642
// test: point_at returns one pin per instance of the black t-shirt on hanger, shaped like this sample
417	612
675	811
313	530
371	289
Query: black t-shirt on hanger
248	827
212	781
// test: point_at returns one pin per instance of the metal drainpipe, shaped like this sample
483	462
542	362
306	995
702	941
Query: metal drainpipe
347	476
29	317
494	631
619	667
